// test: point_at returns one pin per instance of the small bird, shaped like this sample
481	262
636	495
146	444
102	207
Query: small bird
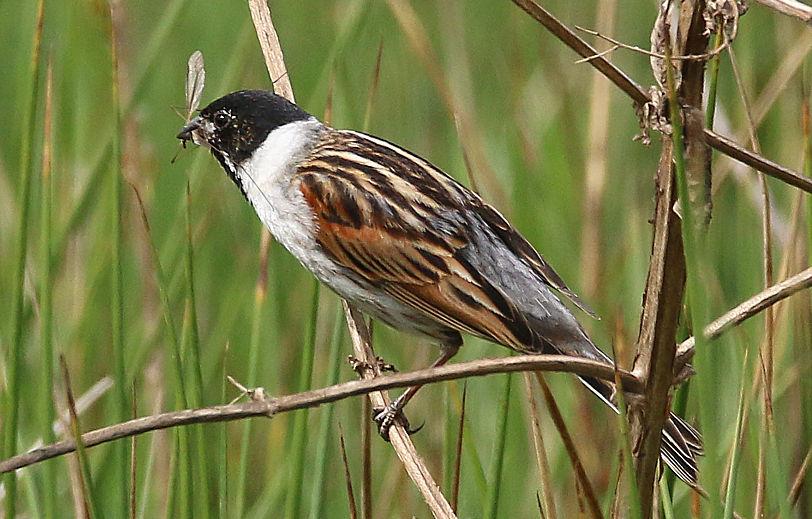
402	241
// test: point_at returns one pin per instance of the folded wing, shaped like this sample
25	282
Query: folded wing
399	223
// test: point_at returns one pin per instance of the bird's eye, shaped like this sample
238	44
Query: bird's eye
221	119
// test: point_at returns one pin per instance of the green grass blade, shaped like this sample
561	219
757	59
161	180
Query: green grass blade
491	505
222	454
145	498
133	497
326	426
449	436
32	496
122	403
260	295
713	80
174	476
353	510
474	466
730	496
89	195
298	451
634	504
545	497
196	391
86	480
778	488
46	301
457	466
665	499
807	135
181	401
13	361
694	249
192	355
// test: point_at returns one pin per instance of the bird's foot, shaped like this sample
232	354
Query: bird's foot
359	366
386	417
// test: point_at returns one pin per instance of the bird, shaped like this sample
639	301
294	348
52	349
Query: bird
403	242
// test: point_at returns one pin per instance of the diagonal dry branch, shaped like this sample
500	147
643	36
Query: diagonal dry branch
746	310
268	407
398	434
790	8
641	97
271	49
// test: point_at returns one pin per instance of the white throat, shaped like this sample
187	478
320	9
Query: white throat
277	157
268	180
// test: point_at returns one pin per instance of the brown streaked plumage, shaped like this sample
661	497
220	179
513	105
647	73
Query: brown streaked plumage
406	243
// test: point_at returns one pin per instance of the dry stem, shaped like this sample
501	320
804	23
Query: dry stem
746	310
790	8
398	435
641	98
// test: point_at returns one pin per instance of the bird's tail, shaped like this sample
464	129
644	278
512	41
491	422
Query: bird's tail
680	445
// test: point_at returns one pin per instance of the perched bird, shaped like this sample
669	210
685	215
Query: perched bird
402	241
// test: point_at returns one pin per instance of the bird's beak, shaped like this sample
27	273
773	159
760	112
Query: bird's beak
186	133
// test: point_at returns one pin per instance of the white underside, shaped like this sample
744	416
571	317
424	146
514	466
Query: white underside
267	178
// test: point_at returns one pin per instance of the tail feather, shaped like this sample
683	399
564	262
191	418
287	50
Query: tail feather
680	444
690	434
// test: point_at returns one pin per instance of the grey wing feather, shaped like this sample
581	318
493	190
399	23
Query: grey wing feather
522	248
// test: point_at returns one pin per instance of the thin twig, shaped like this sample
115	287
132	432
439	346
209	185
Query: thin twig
272	52
347	477
670	257
687	57
641	97
655	344
746	310
585	50
798	482
547	504
280	81
581	478
779	80
601	54
756	161
790	8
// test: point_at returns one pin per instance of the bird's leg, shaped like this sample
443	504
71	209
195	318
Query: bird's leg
386	416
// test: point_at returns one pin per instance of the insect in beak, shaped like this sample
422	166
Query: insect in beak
185	134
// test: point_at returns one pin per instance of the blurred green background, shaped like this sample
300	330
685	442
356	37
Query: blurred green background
533	109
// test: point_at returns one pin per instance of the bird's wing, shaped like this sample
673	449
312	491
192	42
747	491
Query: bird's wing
425	178
528	254
396	221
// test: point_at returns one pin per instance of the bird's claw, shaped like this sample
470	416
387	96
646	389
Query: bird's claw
386	417
359	366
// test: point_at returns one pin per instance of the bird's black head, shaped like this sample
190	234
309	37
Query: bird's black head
237	124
